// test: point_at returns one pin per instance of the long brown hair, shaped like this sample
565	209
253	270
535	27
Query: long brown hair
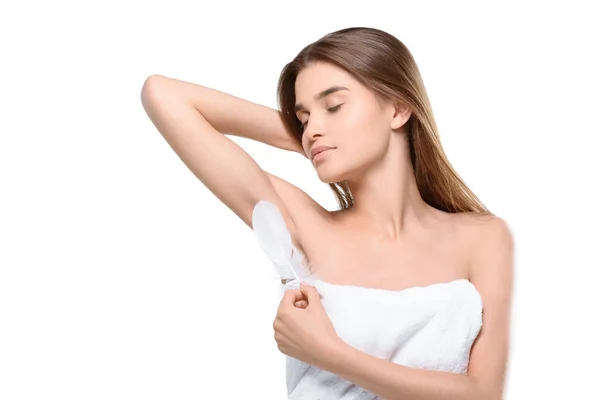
384	64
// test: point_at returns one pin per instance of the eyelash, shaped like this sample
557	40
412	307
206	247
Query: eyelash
332	110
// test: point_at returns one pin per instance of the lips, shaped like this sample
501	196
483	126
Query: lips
319	149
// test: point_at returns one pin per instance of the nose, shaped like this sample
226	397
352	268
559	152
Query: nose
311	134
313	129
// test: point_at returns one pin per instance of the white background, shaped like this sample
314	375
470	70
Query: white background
122	277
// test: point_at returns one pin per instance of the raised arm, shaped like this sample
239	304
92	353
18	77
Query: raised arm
235	116
192	118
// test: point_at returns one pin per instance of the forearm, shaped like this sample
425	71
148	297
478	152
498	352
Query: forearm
235	116
392	381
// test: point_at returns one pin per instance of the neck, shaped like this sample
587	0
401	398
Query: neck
386	196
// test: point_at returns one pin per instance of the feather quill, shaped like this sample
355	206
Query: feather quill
276	241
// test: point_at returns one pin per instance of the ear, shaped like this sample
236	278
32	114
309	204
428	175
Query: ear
401	115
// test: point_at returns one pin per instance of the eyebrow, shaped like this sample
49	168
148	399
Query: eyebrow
319	96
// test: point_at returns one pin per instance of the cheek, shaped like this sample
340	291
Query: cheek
367	138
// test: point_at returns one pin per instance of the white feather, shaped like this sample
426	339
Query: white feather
276	241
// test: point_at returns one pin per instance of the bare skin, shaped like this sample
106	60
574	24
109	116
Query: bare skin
390	238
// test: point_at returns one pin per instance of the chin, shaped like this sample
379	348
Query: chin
334	170
327	174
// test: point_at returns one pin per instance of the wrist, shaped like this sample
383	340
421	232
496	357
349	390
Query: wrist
294	145
336	355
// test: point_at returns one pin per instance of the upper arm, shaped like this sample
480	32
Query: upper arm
491	273
218	162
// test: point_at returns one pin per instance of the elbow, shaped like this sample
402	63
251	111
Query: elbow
153	80
488	394
484	390
152	87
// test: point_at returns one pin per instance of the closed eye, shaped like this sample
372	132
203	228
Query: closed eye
331	110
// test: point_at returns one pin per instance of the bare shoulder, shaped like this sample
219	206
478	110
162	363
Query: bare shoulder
477	226
490	244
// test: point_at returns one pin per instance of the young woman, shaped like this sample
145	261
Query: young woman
414	285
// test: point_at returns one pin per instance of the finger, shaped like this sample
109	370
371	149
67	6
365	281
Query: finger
293	295
292	299
290	296
301	304
310	292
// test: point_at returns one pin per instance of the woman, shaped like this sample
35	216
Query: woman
410	258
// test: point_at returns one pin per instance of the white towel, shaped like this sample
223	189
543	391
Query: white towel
431	327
